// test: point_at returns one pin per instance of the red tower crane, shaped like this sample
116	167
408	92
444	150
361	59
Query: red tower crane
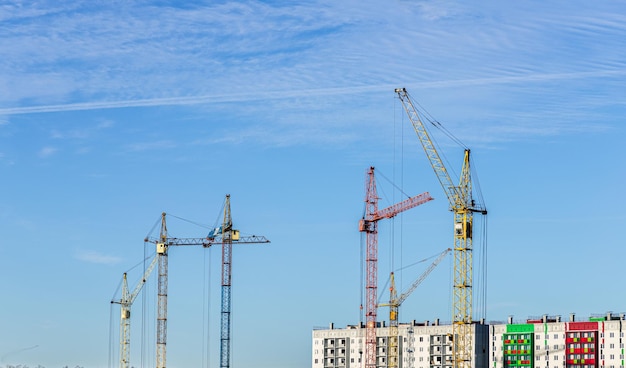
369	225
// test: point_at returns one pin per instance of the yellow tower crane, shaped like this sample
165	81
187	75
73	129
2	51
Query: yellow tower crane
463	206
395	301
126	302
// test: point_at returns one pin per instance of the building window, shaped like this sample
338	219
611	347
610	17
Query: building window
315	360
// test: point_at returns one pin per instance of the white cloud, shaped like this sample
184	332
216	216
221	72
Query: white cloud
147	146
91	256
47	152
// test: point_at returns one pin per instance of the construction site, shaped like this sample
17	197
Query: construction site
459	338
464	341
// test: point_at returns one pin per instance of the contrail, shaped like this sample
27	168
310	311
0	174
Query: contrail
275	95
188	100
17	351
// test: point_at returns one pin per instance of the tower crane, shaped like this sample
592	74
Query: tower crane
394	305
224	235
125	303
163	243
369	225
463	206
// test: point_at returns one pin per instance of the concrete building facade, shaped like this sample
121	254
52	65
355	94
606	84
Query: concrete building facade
543	342
420	345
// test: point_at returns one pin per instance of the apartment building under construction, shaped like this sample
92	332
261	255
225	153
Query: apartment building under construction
546	342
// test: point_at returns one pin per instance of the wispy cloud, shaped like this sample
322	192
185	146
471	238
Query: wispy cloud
147	146
47	152
91	256
82	56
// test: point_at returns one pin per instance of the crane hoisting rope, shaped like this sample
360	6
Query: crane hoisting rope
394	185
434	122
189	221
206	300
153	228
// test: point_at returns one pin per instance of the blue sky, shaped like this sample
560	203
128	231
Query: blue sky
113	112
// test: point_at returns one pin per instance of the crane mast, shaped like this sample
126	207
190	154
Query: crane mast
161	328
163	242
463	207
393	354
369	225
227	246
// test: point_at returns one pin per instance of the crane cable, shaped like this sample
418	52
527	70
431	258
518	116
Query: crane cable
362	275
207	308
405	267
434	122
